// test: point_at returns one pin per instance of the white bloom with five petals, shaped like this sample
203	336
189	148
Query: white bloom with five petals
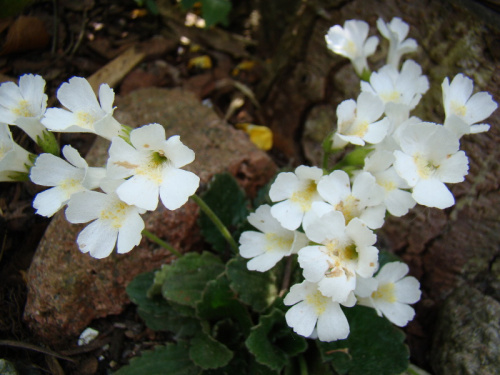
312	312
460	104
428	159
396	32
84	113
404	87
13	158
390	293
24	105
66	177
295	193
357	121
153	165
114	223
342	252
351	41
268	247
363	200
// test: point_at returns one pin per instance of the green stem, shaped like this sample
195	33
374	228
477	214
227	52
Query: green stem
160	242
302	365
217	222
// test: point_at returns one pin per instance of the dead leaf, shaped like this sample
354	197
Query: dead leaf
27	33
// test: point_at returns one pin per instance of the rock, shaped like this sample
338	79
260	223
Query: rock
68	289
467	337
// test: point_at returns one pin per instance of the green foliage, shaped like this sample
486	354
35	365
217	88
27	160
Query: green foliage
9	8
229	203
272	342
374	346
172	359
257	289
213	11
186	278
149	4
227	319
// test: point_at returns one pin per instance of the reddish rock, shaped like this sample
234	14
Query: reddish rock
68	289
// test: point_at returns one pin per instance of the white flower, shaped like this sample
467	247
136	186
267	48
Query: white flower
113	222
397	200
295	192
390	293
430	157
13	158
84	113
396	32
312	310
458	101
357	121
364	201
405	87
342	253
66	179
154	164
350	41
24	105
270	246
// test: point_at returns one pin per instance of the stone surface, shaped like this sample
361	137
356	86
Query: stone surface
68	289
467	338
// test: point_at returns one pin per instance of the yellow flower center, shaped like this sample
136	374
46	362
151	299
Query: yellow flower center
275	242
391	96
85	120
458	109
23	109
425	168
305	196
318	302
114	214
71	186
385	292
349	207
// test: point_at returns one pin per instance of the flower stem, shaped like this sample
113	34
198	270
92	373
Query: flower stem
302	365
217	222
160	242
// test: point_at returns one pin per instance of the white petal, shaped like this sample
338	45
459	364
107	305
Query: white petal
398	313
48	202
130	233
408	290
453	168
266	261
106	97
433	193
392	272
77	94
57	119
338	288
85	206
252	244
139	191
288	214
332	324
313	262
178	153
49	170
284	186
177	186
148	137
97	239
302	318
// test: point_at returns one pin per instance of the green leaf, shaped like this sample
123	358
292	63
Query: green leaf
216	11
220	302
209	353
374	346
272	341
228	202
172	359
385	257
257	289
187	277
188	4
157	313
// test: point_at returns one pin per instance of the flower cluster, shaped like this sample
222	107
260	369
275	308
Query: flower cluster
143	166
328	217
